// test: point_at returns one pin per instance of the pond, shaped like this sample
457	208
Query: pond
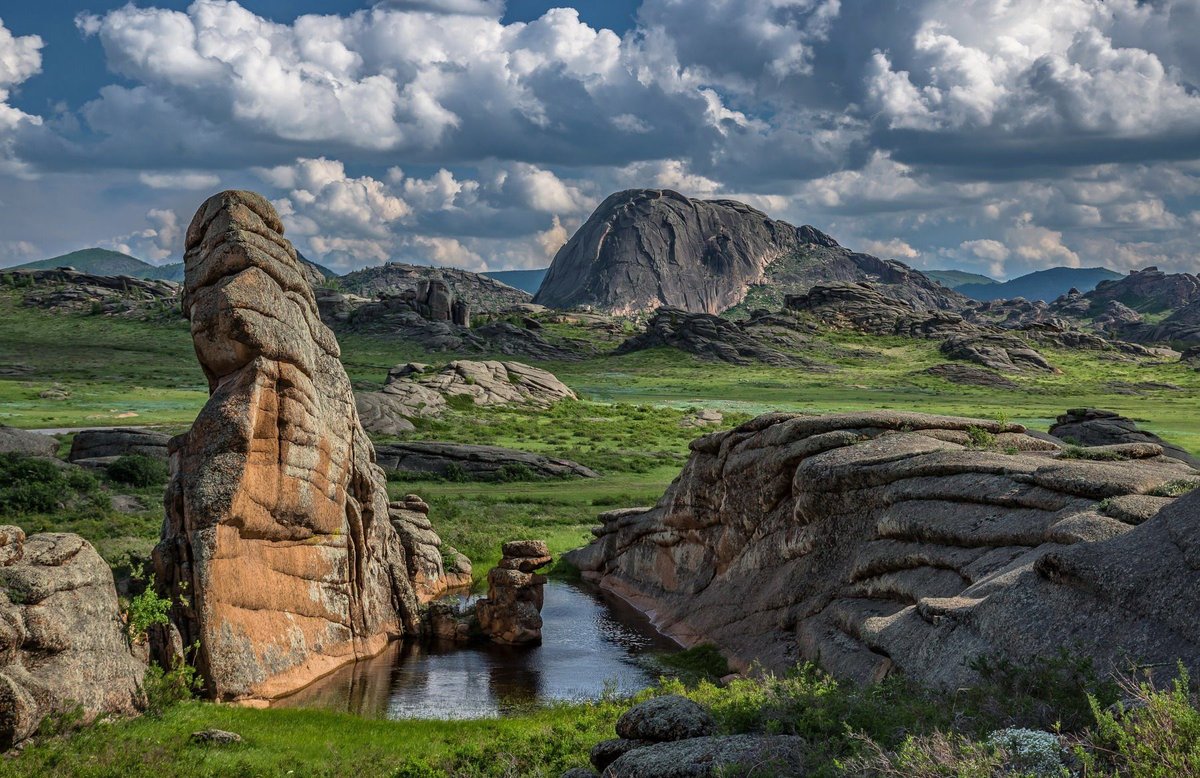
592	642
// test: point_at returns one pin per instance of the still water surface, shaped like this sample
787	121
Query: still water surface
590	641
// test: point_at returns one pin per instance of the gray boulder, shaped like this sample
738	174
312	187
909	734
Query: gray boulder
34	444
62	645
997	351
117	442
671	717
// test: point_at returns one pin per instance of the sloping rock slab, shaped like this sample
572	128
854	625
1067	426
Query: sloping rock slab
62	644
484	463
880	542
1005	353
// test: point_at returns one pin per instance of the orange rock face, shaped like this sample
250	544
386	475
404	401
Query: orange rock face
277	539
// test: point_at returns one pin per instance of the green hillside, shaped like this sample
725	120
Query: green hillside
952	279
101	262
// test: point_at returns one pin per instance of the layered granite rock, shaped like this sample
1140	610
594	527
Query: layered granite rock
62	641
883	542
715	338
102	445
277	534
512	612
475	463
433	567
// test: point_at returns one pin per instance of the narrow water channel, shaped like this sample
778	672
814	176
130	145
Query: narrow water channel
591	641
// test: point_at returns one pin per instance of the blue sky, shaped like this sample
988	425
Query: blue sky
999	136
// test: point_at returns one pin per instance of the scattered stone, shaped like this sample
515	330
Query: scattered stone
216	737
1095	427
62	646
34	444
476	463
276	544
55	393
511	614
106	443
883	542
709	757
671	717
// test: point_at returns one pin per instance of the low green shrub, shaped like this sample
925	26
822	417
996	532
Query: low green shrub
1176	488
138	470
1095	455
35	485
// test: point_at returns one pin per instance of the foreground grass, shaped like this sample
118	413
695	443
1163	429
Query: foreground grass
889	729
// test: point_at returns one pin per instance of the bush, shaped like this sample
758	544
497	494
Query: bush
1095	455
165	688
980	438
146	610
1176	488
138	470
34	485
1156	734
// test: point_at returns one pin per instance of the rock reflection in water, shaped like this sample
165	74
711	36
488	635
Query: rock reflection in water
590	640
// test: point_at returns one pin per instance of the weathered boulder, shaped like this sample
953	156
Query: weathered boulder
433	567
115	442
1006	353
62	645
1095	427
511	613
34	444
277	532
780	756
477	463
874	543
670	717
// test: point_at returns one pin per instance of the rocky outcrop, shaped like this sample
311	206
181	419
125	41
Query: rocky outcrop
474	463
1005	353
109	443
433	567
34	444
277	534
1149	290
65	289
62	643
396	279
875	543
1095	427
512	612
714	338
416	390
642	249
867	308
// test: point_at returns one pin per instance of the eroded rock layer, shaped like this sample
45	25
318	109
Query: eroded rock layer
882	542
277	534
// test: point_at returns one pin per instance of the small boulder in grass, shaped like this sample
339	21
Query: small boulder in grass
661	719
216	737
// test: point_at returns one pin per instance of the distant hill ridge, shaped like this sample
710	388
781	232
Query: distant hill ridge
1047	285
106	262
953	279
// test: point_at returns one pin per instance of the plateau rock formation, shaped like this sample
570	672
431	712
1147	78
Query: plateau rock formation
715	338
512	612
414	390
642	249
62	642
998	351
277	533
882	542
65	289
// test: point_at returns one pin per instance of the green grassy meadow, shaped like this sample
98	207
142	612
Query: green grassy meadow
627	426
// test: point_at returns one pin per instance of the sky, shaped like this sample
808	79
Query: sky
995	136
